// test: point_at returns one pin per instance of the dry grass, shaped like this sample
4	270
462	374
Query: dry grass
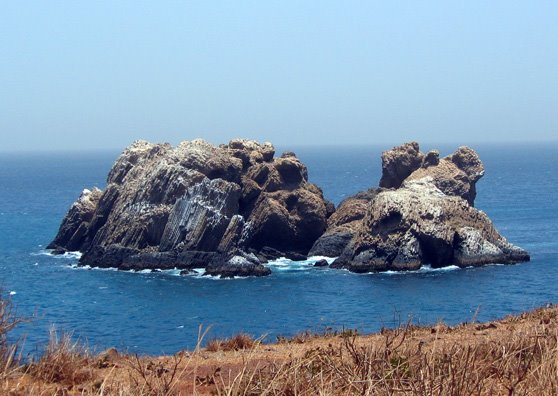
235	343
9	320
64	362
517	355
522	364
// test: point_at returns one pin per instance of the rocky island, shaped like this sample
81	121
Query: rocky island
230	208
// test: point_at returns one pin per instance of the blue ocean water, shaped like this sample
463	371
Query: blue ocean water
160	313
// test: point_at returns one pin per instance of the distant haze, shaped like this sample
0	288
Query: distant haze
81	75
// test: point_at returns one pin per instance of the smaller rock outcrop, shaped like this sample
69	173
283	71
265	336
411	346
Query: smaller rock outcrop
321	263
238	265
425	217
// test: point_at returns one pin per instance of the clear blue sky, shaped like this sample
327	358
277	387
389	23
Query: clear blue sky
100	74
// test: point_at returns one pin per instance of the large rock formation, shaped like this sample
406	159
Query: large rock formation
229	208
425	217
197	205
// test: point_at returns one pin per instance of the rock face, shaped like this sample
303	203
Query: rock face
343	223
418	224
74	226
428	218
196	205
456	174
398	163
230	208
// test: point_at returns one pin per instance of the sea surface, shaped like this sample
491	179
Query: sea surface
155	313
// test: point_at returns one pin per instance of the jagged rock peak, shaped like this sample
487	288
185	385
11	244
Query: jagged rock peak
456	174
398	163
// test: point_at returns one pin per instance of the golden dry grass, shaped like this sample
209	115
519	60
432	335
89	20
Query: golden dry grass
517	355
235	343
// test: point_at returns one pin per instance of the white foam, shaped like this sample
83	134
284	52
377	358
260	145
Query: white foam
171	272
425	269
318	258
13	293
88	267
283	264
66	255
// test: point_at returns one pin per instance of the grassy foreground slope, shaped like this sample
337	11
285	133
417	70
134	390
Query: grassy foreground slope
517	355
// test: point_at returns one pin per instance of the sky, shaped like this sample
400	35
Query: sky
101	74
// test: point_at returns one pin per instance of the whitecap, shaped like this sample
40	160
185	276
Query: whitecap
318	258
88	267
284	264
425	269
66	255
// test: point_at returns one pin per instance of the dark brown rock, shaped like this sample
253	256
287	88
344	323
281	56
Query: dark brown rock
398	163
342	224
163	203
74	227
321	263
432	158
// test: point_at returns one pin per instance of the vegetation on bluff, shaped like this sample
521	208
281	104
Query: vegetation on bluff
517	355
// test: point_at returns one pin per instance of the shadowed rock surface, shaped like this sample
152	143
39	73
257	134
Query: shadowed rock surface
76	223
341	225
196	205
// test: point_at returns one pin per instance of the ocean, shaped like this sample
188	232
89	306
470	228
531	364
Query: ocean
156	313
